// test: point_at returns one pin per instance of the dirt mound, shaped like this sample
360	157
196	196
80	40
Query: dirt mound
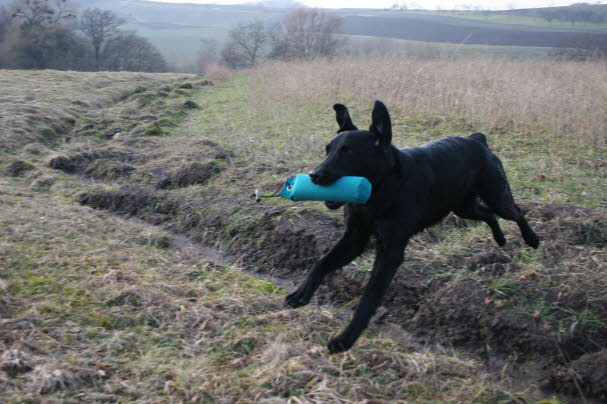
190	174
507	317
103	163
18	168
108	169
133	200
212	150
78	162
464	313
587	375
578	225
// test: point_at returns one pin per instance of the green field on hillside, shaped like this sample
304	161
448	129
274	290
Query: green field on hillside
505	18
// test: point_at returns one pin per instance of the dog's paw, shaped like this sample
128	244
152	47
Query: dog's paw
500	240
297	299
339	344
334	205
532	240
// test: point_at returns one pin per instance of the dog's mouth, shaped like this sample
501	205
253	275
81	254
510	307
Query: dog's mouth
322	177
324	181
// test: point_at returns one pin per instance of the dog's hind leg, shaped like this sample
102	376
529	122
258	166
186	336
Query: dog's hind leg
475	211
387	261
514	213
495	191
350	246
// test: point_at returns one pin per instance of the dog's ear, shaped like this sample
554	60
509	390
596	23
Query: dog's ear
343	118
381	126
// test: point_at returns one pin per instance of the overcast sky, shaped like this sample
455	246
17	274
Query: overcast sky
425	4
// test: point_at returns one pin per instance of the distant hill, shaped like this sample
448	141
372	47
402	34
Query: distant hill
277	3
183	14
440	28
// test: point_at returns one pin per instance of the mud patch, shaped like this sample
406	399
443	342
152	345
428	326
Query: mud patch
587	375
463	313
506	317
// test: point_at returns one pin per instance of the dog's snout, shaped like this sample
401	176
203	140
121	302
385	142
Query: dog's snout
314	176
319	176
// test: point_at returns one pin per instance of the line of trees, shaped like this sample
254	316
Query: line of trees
303	34
49	34
575	13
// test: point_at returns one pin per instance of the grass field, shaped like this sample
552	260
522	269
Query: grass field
509	18
137	269
367	46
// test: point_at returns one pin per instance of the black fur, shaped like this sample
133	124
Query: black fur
413	188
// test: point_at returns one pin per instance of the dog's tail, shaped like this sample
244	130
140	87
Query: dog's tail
479	137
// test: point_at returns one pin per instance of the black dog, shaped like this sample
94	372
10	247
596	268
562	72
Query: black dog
413	189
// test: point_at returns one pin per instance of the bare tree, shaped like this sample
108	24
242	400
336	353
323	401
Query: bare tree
35	13
99	26
52	47
127	51
306	34
42	36
245	45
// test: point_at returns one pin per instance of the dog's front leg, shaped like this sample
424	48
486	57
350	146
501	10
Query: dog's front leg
350	246
387	261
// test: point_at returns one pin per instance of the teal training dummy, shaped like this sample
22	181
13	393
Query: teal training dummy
345	189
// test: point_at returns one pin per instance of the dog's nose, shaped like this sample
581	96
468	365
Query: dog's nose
314	176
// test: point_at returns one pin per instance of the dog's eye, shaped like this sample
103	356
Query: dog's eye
345	149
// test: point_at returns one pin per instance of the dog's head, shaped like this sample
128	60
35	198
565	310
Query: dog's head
357	152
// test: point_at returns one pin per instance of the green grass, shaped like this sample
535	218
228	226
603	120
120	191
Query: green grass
505	18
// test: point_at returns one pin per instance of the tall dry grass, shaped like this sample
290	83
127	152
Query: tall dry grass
562	101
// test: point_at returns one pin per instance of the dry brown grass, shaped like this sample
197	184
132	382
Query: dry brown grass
565	101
